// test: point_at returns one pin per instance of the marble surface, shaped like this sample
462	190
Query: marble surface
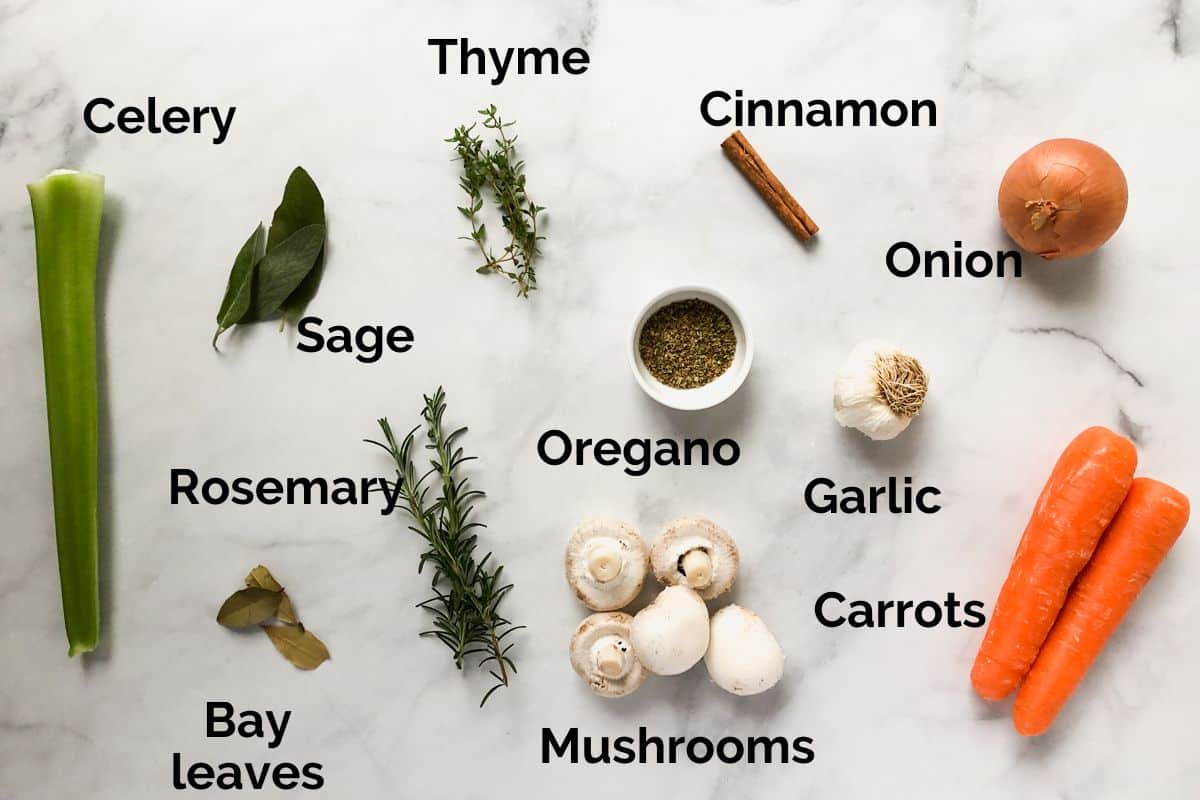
640	199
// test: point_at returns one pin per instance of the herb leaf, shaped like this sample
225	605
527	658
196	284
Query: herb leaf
287	612
261	577
283	268
277	272
298	646
299	299
249	606
236	301
302	205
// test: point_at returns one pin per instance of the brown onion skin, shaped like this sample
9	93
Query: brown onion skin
1078	188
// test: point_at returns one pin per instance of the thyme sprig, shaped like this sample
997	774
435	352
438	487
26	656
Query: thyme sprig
466	592
501	172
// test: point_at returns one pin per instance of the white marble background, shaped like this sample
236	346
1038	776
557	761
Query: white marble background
640	198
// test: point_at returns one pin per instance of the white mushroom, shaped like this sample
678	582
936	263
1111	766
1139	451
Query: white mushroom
606	563
602	655
697	553
743	655
671	634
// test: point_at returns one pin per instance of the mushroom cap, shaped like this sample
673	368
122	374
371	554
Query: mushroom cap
671	634
602	538
743	655
695	533
596	634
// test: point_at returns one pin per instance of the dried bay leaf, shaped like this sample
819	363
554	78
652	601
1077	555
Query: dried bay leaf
261	577
250	606
236	301
287	612
297	645
282	269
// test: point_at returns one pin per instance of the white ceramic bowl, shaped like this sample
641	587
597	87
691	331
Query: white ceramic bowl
710	394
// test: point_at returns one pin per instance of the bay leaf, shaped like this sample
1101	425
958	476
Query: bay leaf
282	269
287	612
261	577
250	606
236	301
301	205
297	645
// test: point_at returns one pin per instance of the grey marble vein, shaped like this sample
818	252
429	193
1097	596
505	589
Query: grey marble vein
1052	330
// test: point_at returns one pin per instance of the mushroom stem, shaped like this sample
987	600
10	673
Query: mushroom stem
696	566
604	563
610	658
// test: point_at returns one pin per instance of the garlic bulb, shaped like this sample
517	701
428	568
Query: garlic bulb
879	390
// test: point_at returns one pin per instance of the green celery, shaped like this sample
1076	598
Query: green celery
66	218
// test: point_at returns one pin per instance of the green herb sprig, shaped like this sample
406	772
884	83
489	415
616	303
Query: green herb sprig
500	171
466	593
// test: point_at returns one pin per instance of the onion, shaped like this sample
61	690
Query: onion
1063	198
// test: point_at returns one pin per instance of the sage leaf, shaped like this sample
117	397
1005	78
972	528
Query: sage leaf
250	606
301	206
297	645
283	268
287	612
298	300
261	577
236	301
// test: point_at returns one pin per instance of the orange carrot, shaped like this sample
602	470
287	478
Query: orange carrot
1148	523
1079	500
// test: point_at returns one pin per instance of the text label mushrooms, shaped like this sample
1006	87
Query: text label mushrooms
671	634
602	655
697	553
606	564
743	655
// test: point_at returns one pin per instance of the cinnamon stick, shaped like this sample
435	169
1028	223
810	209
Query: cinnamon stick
750	164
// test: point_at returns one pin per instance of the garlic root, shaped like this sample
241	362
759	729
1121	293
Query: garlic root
879	390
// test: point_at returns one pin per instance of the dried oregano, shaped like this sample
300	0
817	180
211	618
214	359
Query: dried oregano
687	344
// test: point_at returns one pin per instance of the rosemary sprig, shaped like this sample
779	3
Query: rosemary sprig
501	172
466	592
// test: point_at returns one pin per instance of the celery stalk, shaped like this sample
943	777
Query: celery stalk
66	221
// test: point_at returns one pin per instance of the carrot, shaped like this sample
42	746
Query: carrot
1148	523
1079	500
